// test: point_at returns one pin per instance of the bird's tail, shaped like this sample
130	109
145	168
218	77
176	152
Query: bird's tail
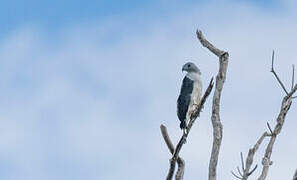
182	124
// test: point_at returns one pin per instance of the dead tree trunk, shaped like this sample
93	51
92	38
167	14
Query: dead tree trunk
215	117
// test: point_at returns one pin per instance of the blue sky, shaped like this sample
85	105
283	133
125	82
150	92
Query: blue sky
55	14
85	86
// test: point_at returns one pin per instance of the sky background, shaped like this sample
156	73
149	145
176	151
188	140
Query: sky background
86	85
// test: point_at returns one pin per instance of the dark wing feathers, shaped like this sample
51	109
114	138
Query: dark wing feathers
184	99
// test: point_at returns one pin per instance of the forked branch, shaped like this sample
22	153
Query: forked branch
275	75
245	169
266	161
286	104
180	161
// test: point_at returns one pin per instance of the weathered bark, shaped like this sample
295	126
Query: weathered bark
250	157
215	118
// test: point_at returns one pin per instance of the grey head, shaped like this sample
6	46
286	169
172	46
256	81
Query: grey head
191	67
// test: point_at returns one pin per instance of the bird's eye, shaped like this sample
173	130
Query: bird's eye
189	65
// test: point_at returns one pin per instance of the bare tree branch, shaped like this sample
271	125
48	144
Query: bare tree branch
208	45
266	162
180	161
242	162
253	170
239	172
276	76
180	170
215	118
250	157
249	160
289	96
268	125
285	106
182	140
167	138
238	177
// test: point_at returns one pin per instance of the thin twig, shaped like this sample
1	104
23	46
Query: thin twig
242	162
271	132
238	170
235	175
289	96
249	160
276	76
253	170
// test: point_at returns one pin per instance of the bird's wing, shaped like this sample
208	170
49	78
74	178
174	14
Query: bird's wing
184	98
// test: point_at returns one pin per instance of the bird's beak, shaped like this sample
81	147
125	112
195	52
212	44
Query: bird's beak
183	69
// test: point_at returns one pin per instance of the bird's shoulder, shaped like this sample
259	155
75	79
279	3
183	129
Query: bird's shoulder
187	81
187	86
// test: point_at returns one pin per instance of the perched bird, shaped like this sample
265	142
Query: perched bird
190	94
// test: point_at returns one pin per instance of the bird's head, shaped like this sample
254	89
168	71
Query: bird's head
191	67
